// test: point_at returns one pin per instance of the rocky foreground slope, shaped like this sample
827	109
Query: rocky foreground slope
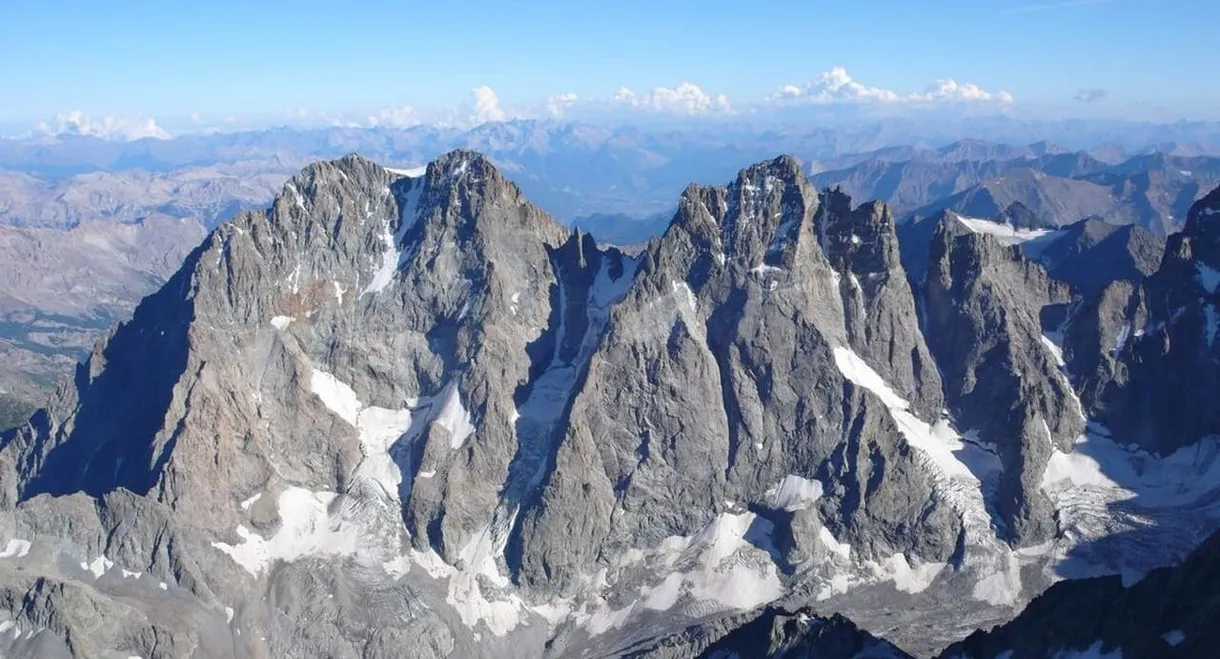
408	413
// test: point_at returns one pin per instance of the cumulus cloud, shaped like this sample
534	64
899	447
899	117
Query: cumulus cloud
687	98
76	122
833	86
558	104
951	91
485	106
1090	95
837	86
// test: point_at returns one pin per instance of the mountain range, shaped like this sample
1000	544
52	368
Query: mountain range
1153	191
87	201
407	412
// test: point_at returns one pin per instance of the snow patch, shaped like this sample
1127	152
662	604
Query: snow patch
306	529
98	567
721	576
1120	341
763	269
909	575
840	549
228	615
16	548
795	493
1174	637
454	417
411	172
339	291
720	568
1055	350
957	459
1005	233
245	505
281	322
692	302
1001	587
1057	355
379	429
392	257
1177	479
336	395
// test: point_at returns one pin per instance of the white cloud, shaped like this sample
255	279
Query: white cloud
950	91
486	106
833	86
837	86
400	117
687	98
75	122
558	104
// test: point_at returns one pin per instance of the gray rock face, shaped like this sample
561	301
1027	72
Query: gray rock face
1019	215
984	306
878	306
411	414
1092	253
1157	373
716	381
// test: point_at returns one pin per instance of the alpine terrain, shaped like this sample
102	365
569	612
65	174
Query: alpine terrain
407	413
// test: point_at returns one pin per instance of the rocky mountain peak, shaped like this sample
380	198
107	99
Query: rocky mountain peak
1019	216
1203	228
406	412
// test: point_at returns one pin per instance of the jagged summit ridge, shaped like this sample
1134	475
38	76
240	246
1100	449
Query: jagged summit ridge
420	390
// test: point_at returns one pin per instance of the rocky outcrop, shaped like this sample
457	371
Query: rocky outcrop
1092	253
1171	612
985	309
773	633
1157	374
717	380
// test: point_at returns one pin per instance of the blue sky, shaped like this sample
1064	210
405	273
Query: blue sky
167	60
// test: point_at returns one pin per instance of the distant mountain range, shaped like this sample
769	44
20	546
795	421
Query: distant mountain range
1153	191
578	169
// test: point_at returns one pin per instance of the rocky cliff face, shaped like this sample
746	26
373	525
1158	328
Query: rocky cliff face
409	412
1158	372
